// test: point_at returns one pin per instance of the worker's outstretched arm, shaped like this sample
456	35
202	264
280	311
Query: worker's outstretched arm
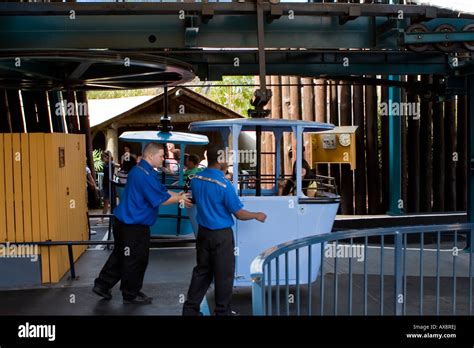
243	214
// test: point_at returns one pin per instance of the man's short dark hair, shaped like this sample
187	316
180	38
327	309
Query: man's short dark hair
194	159
213	154
152	148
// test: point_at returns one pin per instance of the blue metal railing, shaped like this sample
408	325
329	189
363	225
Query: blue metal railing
413	270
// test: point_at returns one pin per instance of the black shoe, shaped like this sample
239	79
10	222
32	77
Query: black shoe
141	294
141	298
106	294
230	313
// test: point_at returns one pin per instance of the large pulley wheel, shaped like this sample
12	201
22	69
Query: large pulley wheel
418	28
446	46
469	45
89	70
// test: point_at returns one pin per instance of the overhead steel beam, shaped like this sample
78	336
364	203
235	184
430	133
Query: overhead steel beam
136	32
195	33
214	64
207	64
233	8
137	26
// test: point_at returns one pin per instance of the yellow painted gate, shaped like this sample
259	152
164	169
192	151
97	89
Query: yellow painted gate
43	180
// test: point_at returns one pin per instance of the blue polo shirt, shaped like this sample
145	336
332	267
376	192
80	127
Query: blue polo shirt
215	203
142	196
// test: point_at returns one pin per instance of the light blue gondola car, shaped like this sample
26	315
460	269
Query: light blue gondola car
288	217
172	220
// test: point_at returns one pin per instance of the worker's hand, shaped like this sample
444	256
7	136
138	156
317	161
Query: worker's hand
185	200
261	217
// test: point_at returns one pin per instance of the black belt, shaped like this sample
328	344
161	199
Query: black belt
131	225
219	229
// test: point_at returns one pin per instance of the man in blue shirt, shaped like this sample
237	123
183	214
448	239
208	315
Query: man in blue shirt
136	212
216	201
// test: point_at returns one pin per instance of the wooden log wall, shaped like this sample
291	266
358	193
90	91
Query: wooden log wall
434	145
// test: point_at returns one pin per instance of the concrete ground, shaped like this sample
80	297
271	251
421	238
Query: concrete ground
169	273
167	280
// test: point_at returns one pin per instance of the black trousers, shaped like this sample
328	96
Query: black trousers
215	260
128	261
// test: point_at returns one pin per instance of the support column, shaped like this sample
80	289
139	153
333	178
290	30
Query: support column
395	152
111	142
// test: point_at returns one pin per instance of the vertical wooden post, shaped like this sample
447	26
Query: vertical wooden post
4	119
334	119
14	110
56	111
295	114
308	115
426	143
462	164
84	122
451	156
285	91
71	115
277	110
360	186
413	155
266	159
373	180
29	109
321	104
41	101
347	191
438	152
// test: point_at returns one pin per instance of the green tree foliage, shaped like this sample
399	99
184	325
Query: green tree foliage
236	98
123	93
97	157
